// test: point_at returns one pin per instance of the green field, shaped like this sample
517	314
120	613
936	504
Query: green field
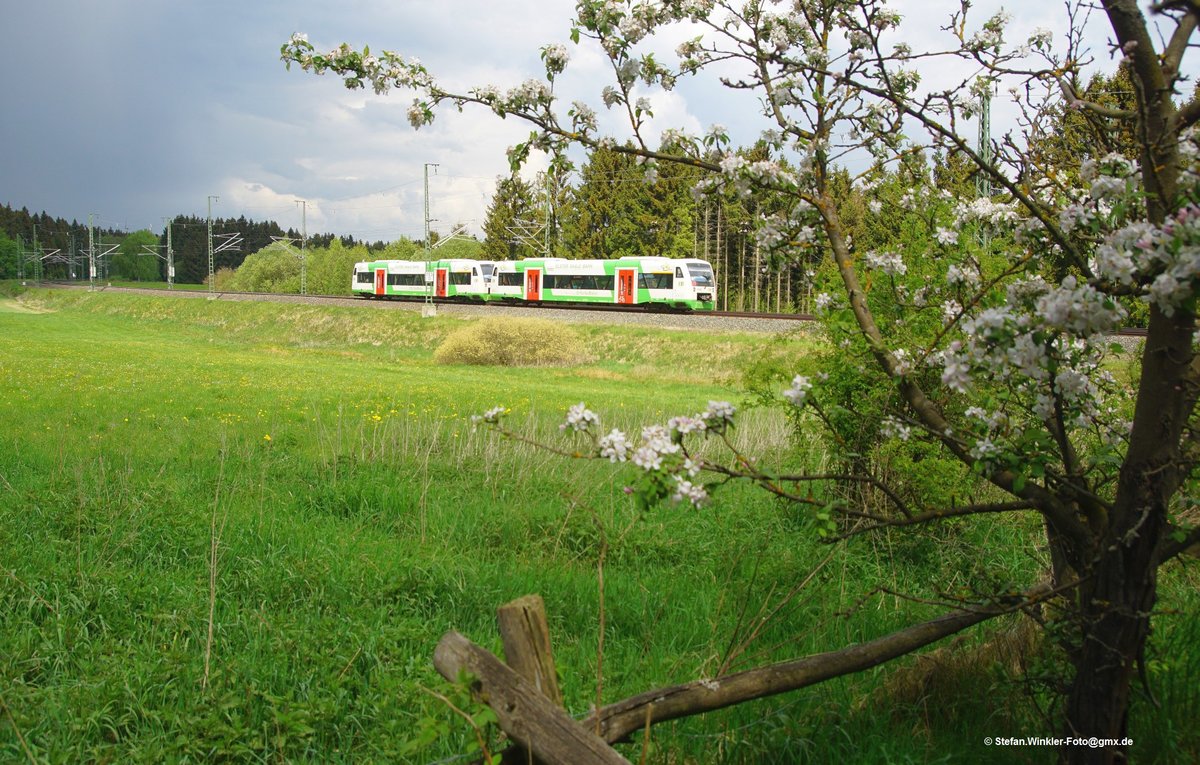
356	516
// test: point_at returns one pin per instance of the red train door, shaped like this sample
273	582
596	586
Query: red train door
439	283
380	281
625	290
533	284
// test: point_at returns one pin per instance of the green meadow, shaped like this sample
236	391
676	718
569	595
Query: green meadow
236	531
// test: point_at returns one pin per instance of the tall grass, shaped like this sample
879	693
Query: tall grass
236	532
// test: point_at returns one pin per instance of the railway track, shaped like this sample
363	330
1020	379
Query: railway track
410	303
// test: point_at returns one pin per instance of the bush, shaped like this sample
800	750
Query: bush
512	343
271	269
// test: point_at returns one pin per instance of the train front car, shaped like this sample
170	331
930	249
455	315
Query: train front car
670	283
700	285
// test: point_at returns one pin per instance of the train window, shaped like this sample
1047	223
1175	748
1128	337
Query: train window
678	273
365	277
578	282
511	279
701	273
655	281
460	277
406	280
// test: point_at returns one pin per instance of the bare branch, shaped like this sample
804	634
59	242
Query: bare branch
1177	544
880	522
617	721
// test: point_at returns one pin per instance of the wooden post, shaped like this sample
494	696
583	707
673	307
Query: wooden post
525	633
526	636
530	718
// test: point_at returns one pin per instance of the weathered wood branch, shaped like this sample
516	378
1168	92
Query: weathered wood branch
617	721
530	718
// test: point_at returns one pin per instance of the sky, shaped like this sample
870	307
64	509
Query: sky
139	110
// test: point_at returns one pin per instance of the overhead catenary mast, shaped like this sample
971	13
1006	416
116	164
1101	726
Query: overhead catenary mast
91	254
170	256
303	245
428	309
212	282
983	180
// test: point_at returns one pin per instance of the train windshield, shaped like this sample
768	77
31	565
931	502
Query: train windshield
701	273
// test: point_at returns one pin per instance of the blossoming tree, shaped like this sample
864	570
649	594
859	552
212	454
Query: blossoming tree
1008	376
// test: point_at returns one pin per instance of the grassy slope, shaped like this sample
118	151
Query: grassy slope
358	518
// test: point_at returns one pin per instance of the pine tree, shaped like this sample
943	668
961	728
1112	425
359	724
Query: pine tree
512	222
619	209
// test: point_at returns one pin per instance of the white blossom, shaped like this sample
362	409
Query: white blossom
584	116
984	449
798	392
686	490
556	58
889	263
956	370
977	413
718	415
491	416
684	425
1079	309
946	236
951	310
894	428
648	459
580	418
965	275
615	446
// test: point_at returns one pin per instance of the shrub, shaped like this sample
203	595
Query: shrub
512	343
223	280
271	269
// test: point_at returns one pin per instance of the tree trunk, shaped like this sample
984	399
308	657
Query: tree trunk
1115	605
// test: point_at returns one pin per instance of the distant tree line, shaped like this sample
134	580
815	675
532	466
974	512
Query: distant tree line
29	238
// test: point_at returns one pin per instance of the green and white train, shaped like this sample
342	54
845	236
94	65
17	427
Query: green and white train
646	281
